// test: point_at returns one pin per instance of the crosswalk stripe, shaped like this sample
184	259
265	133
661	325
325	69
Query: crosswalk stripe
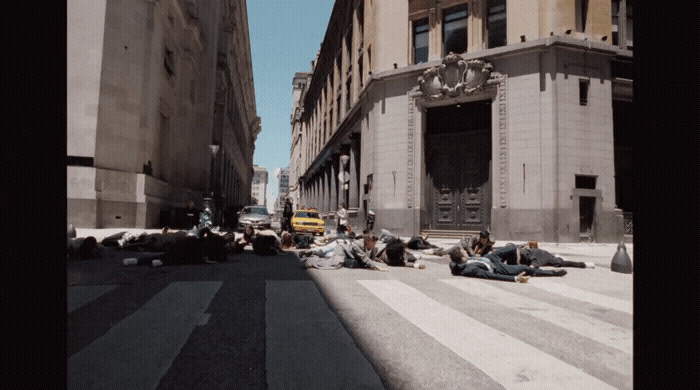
139	350
582	295
82	295
509	361
587	326
306	345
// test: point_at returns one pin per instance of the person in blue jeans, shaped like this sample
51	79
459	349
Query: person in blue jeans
492	266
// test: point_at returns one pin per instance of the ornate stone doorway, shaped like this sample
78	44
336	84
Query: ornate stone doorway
458	161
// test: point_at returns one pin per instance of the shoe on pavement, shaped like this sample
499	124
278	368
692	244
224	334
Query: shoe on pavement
522	278
418	265
559	272
130	261
589	264
156	263
429	251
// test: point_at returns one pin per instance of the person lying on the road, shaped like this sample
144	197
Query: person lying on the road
266	242
236	245
144	242
491	266
419	242
295	241
349	254
325	250
395	255
209	248
84	248
530	254
476	245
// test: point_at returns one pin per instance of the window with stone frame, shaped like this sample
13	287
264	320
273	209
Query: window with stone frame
421	30
359	70
454	30
581	15
169	61
496	23
583	87
629	16
615	12
348	88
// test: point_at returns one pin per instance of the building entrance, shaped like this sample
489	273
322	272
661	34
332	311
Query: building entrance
458	162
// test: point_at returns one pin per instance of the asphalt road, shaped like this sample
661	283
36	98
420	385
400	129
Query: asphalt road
264	322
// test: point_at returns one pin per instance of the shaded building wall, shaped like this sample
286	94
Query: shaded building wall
85	40
153	126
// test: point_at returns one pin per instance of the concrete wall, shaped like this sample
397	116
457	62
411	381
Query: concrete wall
388	155
118	90
85	36
391	35
553	138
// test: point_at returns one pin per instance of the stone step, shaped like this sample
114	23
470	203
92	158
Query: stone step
448	233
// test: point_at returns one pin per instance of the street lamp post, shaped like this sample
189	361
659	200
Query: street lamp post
208	204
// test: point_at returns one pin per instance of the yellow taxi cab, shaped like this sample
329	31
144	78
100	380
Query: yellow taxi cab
308	221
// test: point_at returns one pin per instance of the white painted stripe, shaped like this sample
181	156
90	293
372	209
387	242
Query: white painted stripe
139	350
306	345
611	335
81	295
509	361
582	295
204	320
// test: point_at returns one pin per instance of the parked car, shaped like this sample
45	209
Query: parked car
308	221
255	216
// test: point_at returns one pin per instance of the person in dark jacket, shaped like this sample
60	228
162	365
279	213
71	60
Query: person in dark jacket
266	242
208	248
491	266
419	242
395	255
287	216
369	222
529	254
295	241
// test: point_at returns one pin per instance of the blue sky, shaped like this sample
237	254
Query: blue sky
285	36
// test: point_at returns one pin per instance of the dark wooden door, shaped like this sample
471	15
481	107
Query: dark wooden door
458	168
475	195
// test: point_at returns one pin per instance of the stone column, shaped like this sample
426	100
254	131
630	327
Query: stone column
334	184
317	198
355	44
327	188
354	184
622	24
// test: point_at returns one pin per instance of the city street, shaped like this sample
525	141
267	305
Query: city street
265	322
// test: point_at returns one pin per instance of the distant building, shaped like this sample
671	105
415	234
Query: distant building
448	117
283	178
150	85
297	155
259	187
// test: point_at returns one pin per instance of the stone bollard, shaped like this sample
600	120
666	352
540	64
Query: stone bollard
621	262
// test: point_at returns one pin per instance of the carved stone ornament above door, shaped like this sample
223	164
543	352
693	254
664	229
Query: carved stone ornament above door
456	77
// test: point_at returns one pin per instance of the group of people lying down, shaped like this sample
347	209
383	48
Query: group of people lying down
473	257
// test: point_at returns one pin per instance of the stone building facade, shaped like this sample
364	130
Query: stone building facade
151	84
454	116
259	186
297	156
